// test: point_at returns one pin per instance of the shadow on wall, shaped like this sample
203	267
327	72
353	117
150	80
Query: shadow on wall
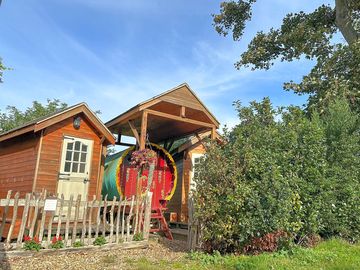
4	262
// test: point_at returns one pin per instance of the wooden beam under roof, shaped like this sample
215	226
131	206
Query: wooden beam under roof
180	119
195	140
126	144
134	131
183	112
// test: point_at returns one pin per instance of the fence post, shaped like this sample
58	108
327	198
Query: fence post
147	215
35	216
118	221
68	217
83	230
23	220
193	227
104	215
76	219
6	210
43	217
112	220
60	216
90	219
128	219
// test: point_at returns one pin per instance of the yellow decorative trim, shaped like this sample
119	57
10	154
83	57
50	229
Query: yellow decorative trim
168	155
118	184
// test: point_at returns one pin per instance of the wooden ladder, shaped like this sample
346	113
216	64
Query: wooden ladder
158	217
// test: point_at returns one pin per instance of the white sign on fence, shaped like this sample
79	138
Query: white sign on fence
50	205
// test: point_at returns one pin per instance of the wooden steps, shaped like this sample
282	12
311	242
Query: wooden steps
158	218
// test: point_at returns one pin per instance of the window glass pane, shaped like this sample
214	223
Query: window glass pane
68	155
75	167
83	157
77	146
84	148
82	168
67	166
70	146
76	156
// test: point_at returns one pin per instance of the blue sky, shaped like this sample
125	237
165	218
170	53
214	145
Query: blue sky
114	54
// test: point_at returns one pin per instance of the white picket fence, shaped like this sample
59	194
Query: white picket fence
74	220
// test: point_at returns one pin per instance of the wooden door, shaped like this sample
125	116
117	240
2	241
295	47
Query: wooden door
74	172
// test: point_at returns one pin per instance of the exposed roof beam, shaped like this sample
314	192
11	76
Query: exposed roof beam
197	139
126	144
178	118
134	131
183	112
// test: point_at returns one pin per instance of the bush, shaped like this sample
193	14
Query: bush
298	176
78	244
270	242
99	241
31	244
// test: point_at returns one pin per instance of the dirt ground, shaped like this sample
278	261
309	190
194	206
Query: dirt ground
159	249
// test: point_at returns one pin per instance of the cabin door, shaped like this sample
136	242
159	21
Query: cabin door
74	172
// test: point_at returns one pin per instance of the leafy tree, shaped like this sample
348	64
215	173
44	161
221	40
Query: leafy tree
2	68
13	117
309	35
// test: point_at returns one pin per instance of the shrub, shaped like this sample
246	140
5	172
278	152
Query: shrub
31	244
57	242
270	242
298	176
78	244
99	241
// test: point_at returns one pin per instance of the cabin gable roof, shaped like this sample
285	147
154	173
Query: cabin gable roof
181	95
51	119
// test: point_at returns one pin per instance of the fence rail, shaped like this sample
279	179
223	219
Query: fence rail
73	219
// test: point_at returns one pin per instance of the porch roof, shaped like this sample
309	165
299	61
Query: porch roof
172	114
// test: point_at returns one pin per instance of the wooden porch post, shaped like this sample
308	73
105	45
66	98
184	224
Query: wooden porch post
213	133
118	141
143	130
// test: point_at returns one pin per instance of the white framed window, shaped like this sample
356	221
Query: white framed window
195	161
76	156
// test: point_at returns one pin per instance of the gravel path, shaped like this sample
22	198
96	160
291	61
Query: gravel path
161	249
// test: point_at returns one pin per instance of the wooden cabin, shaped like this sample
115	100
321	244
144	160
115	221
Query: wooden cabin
62	153
179	121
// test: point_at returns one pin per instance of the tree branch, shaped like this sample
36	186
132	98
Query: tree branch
344	22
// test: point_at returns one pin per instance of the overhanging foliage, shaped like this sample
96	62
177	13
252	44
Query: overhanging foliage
309	35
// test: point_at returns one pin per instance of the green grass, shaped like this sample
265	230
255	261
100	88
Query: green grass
332	254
